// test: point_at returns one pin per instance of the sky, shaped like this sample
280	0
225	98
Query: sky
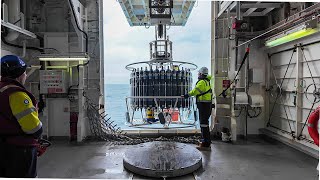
124	44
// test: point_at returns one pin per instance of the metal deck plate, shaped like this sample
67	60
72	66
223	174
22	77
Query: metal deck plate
162	159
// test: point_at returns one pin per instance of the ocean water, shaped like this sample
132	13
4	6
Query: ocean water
115	97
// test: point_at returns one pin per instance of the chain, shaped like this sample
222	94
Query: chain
104	129
280	93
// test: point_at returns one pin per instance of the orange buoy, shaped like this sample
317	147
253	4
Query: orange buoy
175	115
313	126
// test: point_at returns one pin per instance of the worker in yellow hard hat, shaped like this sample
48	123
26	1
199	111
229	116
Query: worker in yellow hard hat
203	93
20	126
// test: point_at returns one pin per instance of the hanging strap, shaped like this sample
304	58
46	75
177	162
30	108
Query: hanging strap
203	93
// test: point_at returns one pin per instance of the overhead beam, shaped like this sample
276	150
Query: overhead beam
137	11
262	5
18	29
250	11
125	10
267	10
187	14
225	5
262	13
146	9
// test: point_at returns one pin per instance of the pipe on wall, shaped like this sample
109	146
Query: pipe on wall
14	18
101	39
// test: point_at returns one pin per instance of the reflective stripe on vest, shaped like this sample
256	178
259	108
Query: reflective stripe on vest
204	101
25	112
7	87
199	90
204	125
34	129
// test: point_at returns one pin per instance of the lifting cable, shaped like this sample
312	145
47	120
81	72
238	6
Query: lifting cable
280	93
315	98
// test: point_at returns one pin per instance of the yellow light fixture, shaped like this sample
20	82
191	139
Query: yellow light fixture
63	58
291	37
304	30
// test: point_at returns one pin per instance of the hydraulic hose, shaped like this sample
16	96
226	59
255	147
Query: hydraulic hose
78	27
3	39
18	46
243	60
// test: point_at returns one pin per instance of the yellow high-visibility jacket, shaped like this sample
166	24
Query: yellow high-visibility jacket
25	112
203	90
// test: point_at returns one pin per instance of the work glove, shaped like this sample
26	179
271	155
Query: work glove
42	146
40	150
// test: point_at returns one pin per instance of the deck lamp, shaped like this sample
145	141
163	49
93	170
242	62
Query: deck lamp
293	34
63	58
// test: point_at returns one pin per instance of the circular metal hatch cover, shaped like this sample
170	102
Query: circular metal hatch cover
162	159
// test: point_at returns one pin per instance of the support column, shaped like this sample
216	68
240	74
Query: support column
299	90
213	57
268	84
81	126
101	43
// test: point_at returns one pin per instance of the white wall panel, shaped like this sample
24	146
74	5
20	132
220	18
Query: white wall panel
59	117
280	61
314	68
282	58
308	103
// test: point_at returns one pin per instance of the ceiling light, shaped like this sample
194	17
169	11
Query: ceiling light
291	35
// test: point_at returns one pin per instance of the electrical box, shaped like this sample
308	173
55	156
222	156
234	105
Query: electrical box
241	98
256	75
256	101
53	81
226	83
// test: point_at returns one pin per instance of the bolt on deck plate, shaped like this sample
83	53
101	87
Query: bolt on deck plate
162	159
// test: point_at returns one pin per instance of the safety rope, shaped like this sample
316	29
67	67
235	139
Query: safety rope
279	94
242	63
315	98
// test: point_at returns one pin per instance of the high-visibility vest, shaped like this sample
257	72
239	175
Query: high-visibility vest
202	91
10	129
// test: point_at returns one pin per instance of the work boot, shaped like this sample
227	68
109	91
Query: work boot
161	118
202	146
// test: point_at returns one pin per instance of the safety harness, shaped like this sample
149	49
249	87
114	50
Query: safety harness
209	91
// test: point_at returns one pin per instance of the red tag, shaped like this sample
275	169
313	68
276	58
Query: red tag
225	83
58	90
51	90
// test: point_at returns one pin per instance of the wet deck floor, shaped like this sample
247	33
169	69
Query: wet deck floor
254	159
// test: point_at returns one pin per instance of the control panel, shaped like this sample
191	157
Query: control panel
53	81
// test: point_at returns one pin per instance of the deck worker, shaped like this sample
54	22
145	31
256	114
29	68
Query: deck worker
20	126
203	93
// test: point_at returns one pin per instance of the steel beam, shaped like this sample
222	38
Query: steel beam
261	5
125	10
225	5
299	88
238	10
267	10
18	29
262	13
